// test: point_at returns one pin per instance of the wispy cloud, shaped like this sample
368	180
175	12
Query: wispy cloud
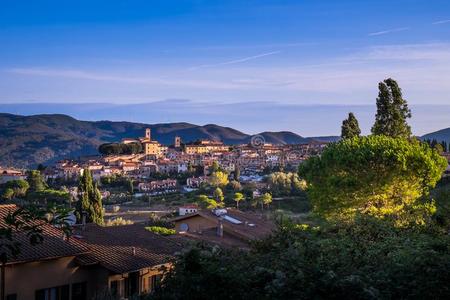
255	46
388	31
441	22
139	79
439	52
422	70
236	61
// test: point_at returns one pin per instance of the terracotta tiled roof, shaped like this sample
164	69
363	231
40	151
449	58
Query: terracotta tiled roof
253	226
53	246
112	247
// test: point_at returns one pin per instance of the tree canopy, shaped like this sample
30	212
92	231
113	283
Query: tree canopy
218	195
36	181
13	189
120	148
238	197
218	179
350	127
207	203
285	184
377	175
368	259
392	111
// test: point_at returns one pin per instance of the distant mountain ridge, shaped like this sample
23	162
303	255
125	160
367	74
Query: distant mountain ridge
440	135
26	141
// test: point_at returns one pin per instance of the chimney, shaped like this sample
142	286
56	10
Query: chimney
220	228
133	251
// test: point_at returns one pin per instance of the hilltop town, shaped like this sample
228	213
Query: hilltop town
146	168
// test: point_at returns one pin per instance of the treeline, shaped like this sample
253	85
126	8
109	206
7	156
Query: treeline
33	190
441	146
120	148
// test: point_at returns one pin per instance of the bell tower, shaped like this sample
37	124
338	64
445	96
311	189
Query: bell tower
148	134
177	143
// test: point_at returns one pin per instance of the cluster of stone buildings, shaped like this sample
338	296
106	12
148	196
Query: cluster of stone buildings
182	158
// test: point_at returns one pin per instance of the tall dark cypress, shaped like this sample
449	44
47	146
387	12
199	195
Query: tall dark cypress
392	111
90	202
350	127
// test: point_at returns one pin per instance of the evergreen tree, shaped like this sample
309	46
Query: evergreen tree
36	181
350	127
392	111
90	202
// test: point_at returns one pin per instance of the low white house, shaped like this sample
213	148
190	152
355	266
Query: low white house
187	209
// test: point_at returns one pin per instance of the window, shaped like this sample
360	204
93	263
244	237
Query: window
154	281
79	291
54	293
115	288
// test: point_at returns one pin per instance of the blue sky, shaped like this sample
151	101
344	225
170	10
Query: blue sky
304	52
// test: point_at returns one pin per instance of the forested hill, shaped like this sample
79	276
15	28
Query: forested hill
440	135
26	141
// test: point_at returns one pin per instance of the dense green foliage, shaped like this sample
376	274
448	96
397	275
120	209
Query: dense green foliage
119	148
238	197
265	199
14	189
378	175
207	203
392	111
441	196
36	181
218	195
218	179
369	259
51	196
161	230
90	202
285	184
350	127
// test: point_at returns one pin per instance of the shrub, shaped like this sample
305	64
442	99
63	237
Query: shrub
161	230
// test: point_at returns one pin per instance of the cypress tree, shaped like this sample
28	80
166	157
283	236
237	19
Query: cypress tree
350	127
90	199
392	111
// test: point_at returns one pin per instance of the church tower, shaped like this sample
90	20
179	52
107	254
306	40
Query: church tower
177	143
148	134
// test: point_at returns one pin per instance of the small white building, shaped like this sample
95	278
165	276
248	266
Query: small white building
182	167
187	209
